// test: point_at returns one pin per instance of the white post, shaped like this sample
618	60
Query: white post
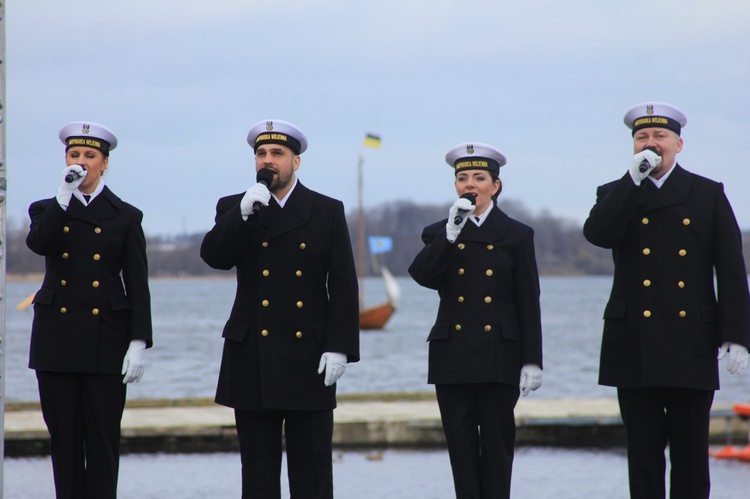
3	187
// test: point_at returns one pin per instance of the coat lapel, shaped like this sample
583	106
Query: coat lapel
493	229
295	214
675	190
105	205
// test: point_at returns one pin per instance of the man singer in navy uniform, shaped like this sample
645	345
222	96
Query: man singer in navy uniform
295	320
679	298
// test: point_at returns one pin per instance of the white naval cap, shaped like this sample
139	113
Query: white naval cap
475	156
655	114
88	134
277	132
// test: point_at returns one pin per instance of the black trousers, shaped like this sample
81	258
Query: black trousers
308	437
655	417
83	414
480	430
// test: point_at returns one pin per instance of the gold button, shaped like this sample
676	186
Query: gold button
681	284
97	257
264	303
647	282
266	273
458	327
461	246
489	272
298	334
95	311
98	230
64	310
95	284
488	299
646	251
298	273
683	252
299	304
460	299
302	246
490	247
644	220
264	332
683	313
264	244
686	221
63	282
65	255
66	229
461	271
488	328
647	313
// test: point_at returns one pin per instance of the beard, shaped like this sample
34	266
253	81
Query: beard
281	181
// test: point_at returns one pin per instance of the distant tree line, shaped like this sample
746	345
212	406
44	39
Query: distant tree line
560	246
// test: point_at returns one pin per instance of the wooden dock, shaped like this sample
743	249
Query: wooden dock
361	421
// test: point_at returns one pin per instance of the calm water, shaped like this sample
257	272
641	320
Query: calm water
188	318
189	315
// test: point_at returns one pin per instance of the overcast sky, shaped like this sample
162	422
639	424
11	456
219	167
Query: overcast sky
180	82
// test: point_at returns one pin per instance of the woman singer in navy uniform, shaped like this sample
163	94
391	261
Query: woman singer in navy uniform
488	333
92	315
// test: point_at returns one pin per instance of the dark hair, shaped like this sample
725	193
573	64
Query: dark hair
494	176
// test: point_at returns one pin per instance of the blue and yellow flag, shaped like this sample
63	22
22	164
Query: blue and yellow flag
372	140
380	244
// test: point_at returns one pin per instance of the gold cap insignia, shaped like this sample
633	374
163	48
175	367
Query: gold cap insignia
469	148
85	128
650	109
269	125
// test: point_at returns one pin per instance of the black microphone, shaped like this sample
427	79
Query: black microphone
72	177
462	213
645	165
265	177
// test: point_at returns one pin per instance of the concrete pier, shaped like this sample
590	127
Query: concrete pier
372	420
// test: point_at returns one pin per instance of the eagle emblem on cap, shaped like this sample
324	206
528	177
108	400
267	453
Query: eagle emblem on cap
86	128
269	125
650	109
469	148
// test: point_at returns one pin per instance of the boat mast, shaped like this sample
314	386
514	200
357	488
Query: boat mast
360	233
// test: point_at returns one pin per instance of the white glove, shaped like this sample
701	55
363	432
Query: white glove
334	365
65	191
531	378
257	193
653	160
135	362
451	229
737	356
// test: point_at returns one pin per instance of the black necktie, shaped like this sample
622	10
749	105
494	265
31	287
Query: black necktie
87	197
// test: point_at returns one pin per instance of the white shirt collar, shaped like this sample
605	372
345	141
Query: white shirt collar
479	219
658	183
99	188
283	201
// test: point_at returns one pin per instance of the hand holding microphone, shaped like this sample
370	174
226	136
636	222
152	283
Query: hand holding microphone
257	195
72	177
457	215
643	163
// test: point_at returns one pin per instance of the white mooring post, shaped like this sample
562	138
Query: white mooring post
3	252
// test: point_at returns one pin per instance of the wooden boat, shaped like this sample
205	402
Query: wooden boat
372	318
375	318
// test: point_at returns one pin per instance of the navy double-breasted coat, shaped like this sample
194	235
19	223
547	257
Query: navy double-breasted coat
488	323
95	297
297	297
680	285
